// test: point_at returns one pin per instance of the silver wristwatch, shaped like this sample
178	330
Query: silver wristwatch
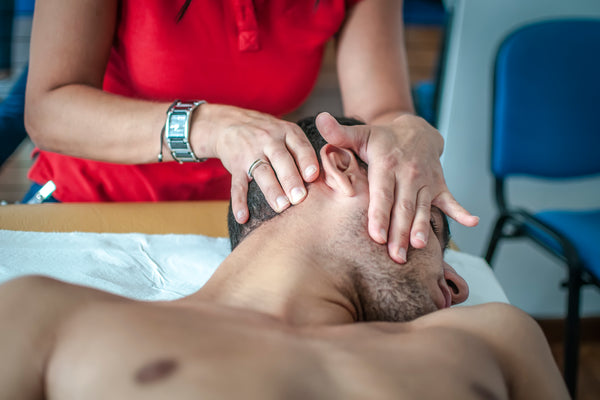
177	130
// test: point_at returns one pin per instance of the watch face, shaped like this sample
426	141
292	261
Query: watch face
177	124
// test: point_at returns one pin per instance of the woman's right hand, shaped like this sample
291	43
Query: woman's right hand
239	137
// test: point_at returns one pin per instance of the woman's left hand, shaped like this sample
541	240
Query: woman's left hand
405	178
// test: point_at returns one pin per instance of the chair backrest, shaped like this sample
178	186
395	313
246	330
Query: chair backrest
547	100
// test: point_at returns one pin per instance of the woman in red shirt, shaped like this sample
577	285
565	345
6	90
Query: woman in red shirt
104	72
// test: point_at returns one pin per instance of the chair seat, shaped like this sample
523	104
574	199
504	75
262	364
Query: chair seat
582	228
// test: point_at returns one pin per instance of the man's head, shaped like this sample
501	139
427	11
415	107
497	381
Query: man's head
337	204
259	209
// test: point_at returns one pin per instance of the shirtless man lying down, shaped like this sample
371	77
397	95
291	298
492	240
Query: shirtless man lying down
307	306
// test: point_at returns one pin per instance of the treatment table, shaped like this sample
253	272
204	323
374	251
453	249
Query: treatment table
147	251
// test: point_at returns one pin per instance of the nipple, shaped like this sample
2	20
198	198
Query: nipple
156	370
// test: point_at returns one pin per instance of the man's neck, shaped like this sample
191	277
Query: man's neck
284	279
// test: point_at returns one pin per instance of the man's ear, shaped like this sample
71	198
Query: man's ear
339	168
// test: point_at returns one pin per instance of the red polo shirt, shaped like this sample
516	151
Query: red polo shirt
262	55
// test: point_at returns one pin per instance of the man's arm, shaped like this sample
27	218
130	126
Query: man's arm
23	345
521	348
31	311
530	366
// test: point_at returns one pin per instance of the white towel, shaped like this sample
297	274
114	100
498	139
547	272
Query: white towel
159	267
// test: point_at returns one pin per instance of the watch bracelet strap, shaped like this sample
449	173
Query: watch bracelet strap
162	133
180	147
162	141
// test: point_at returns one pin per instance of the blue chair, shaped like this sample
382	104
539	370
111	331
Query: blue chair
546	107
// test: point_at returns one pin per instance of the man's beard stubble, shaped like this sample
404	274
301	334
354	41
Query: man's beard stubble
387	291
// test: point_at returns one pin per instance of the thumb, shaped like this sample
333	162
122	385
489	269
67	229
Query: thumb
351	137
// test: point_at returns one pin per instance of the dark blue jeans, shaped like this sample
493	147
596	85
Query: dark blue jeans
12	123
7	11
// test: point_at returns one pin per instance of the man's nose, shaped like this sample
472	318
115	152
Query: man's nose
458	286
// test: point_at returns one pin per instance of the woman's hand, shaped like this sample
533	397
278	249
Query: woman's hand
405	178
239	137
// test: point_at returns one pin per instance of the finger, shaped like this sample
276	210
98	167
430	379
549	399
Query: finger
239	195
266	180
303	152
403	214
286	172
381	201
419	233
353	137
448	204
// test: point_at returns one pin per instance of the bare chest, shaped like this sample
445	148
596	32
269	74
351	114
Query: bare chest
178	354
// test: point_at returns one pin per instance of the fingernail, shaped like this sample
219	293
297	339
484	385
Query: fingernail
241	215
420	236
309	171
402	254
383	235
297	195
282	202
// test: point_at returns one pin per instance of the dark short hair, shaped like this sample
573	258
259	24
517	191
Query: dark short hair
260	210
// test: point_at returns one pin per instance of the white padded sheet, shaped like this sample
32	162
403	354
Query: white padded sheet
160	267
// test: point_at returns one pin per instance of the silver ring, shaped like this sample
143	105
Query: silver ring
258	162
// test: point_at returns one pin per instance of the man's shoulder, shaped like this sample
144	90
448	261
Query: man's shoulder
501	320
490	322
520	347
516	341
33	308
491	313
37	305
494	321
36	288
31	284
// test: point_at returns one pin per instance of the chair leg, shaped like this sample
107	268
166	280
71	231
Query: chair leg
571	343
496	236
